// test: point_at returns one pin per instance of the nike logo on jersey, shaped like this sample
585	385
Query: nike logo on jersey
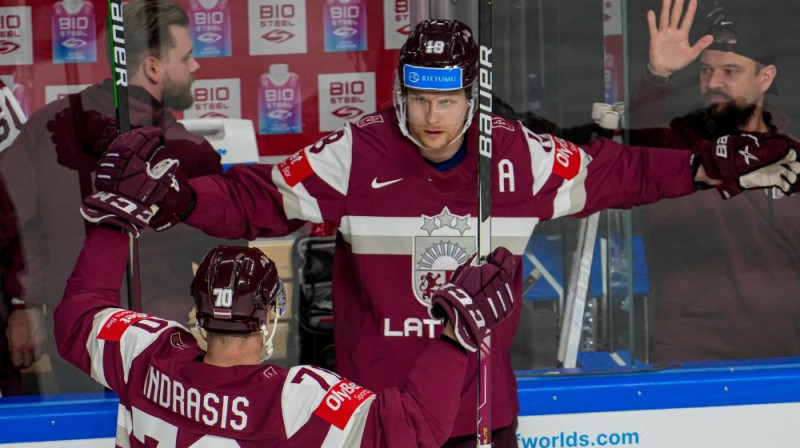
376	184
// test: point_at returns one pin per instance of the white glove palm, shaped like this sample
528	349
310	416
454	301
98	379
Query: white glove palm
781	174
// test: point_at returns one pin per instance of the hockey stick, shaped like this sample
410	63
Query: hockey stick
484	429
119	74
572	324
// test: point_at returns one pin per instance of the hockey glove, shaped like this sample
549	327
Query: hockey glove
105	207
781	174
733	156
176	206
477	297
125	168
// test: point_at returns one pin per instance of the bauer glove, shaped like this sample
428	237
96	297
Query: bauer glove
732	157
477	297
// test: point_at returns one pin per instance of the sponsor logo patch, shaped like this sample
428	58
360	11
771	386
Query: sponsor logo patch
341	402
567	161
295	169
116	325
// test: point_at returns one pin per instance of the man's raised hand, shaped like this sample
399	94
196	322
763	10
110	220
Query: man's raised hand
670	50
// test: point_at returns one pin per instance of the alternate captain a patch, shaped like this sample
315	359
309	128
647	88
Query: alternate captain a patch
567	160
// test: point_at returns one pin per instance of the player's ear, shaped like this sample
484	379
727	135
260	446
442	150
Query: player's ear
766	76
151	68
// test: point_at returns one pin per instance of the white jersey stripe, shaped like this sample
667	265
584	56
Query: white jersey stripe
332	164
297	203
132	343
541	163
96	347
301	395
571	195
394	235
353	432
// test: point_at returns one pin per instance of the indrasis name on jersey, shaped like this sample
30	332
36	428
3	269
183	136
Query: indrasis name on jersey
212	409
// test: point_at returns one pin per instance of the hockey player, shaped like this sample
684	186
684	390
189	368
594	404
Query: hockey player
176	395
401	187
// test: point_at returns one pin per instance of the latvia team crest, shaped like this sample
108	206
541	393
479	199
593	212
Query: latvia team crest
443	242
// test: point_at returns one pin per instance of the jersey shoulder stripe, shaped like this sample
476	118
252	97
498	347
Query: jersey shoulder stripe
312	391
134	332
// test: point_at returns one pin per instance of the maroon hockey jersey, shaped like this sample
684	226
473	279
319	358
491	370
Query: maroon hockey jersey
169	397
405	226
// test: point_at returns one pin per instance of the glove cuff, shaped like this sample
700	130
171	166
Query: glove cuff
453	342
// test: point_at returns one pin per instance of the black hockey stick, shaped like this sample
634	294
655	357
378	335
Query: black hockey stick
484	430
119	76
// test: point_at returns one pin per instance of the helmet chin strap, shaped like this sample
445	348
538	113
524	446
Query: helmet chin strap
267	348
201	331
402	114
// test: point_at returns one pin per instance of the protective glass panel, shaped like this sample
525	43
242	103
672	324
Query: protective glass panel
252	82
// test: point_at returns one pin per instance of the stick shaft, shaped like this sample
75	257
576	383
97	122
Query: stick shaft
119	76
484	417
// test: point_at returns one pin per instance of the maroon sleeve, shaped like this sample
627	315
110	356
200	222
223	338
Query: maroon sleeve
621	176
242	203
197	156
424	409
93	286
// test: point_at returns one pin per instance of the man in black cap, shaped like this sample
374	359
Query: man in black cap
737	66
725	278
